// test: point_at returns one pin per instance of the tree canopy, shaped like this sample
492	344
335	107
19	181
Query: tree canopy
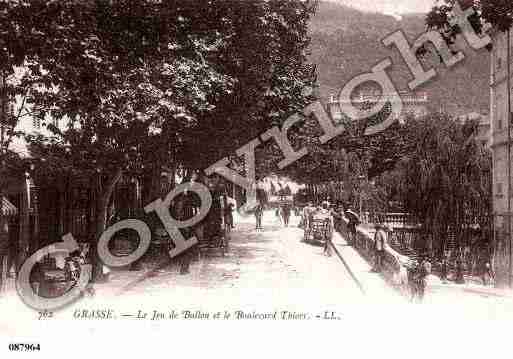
498	13
445	180
137	85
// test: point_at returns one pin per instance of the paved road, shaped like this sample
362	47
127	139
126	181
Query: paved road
264	272
271	270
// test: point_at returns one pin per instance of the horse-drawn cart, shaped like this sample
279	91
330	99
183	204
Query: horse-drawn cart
318	229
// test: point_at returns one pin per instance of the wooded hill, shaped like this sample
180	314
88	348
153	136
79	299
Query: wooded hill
346	42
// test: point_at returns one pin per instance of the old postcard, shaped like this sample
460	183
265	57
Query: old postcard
255	178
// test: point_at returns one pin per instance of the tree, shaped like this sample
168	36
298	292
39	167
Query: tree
111	70
498	13
445	180
350	154
144	84
13	108
265	53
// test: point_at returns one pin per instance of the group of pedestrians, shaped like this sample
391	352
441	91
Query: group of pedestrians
419	270
283	213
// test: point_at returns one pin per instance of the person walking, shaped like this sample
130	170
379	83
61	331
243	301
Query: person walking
228	215
424	272
444	269
380	239
259	212
215	215
277	213
327	215
286	212
460	269
308	212
351	229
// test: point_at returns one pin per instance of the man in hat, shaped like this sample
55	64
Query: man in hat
380	239
351	227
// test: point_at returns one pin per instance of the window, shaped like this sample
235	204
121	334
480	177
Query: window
499	63
498	189
499	124
36	122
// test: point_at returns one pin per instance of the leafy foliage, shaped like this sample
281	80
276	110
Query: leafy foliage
445	180
498	13
145	84
347	42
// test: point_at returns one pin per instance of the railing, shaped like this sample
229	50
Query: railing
405	239
393	219
394	263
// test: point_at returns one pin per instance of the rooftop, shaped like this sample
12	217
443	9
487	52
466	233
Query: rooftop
368	96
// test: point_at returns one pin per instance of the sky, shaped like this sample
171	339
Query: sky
390	6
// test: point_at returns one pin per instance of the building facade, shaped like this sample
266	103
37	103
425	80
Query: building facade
502	173
414	103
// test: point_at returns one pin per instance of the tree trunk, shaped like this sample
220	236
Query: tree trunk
24	227
102	201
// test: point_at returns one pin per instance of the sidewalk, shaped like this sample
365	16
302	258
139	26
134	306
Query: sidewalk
373	284
472	288
465	295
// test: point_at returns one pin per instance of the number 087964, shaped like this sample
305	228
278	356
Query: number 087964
24	347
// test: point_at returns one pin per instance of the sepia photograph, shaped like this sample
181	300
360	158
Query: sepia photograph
256	178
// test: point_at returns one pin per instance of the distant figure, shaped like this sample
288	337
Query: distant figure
460	268
278	215
259	212
487	275
425	272
308	213
285	212
444	269
228	215
351	229
380	239
326	212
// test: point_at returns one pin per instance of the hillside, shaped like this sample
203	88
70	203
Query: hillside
346	42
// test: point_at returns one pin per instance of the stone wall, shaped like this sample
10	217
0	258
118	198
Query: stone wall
394	263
